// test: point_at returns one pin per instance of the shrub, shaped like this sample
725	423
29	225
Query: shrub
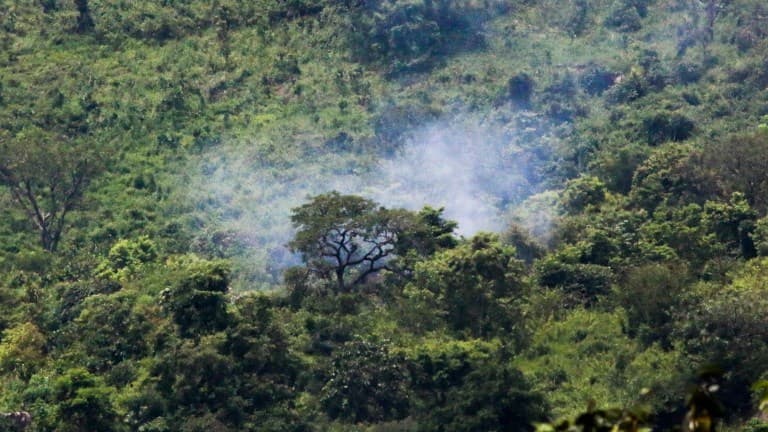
624	18
661	127
583	192
627	89
688	73
596	79
520	89
582	282
366	383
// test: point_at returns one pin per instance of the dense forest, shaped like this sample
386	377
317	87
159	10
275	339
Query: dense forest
383	215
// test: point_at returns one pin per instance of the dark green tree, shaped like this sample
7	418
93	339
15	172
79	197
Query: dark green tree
582	283
662	126
430	233
578	20
732	224
624	17
671	174
196	377
112	328
740	162
470	386
410	35
366	383
651	295
347	238
583	192
728	326
520	89
84	20
83	402
260	353
473	286
197	300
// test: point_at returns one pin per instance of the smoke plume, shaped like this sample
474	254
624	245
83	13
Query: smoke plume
468	168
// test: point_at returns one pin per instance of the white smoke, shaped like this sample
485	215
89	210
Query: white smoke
468	171
471	170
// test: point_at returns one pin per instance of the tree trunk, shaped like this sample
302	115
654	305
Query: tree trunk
711	17
49	239
84	20
340	279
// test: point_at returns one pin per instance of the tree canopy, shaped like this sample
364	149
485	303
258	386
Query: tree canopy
352	238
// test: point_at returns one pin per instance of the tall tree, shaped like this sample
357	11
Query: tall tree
473	286
84	20
741	162
347	236
46	174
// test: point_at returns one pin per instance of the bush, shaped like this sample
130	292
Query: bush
410	35
197	301
520	89
627	89
662	127
755	425
583	192
688	73
624	18
141	19
366	383
596	79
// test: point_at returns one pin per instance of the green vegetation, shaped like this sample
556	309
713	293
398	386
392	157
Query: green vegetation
202	227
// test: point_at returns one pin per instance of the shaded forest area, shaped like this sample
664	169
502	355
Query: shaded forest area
203	227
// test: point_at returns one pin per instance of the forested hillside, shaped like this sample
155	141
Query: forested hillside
384	215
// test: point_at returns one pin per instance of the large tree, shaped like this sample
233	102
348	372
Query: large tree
473	286
348	237
740	163
46	174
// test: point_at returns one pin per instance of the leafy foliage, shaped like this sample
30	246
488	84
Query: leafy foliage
22	350
473	286
366	384
413	34
197	301
340	234
467	386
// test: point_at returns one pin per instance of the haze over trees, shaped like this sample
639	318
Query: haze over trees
262	215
